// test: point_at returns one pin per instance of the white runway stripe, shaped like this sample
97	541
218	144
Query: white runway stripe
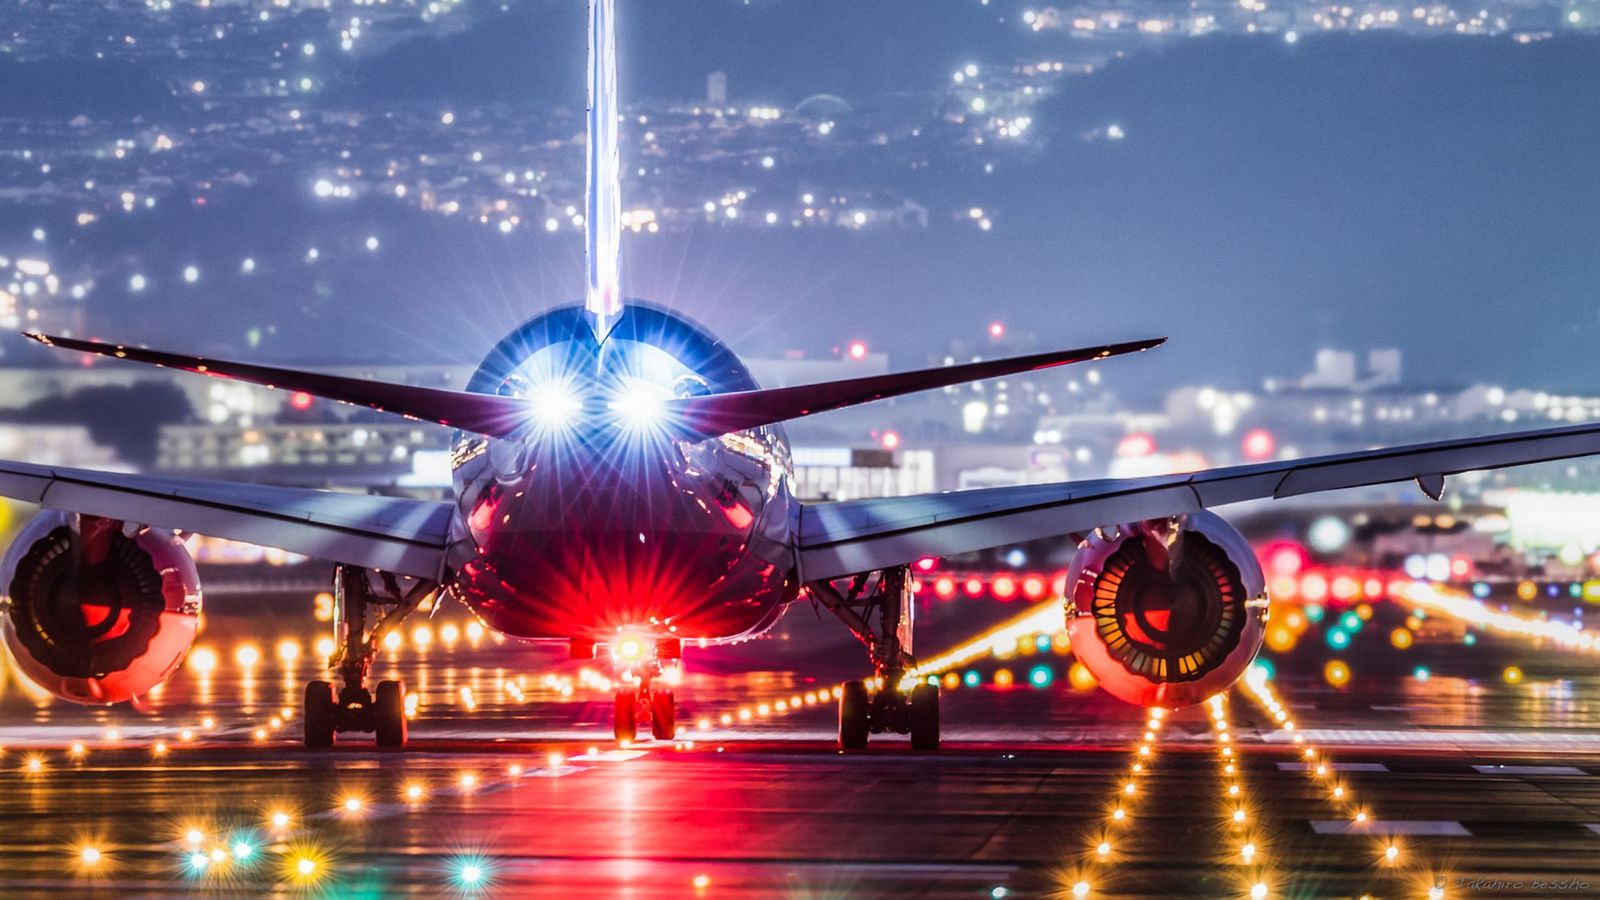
1461	740
1387	827
1530	770
1337	767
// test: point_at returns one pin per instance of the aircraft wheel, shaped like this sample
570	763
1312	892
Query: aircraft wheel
925	717
853	704
663	715
321	715
389	713
626	724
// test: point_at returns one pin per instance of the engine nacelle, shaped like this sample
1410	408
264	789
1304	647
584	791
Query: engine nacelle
1166	612
93	615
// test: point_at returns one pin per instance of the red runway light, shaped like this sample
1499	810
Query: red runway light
927	563
301	400
1033	587
974	587
1136	444
1005	587
945	588
1284	557
1258	445
858	350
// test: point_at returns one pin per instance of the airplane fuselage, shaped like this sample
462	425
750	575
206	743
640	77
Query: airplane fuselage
597	526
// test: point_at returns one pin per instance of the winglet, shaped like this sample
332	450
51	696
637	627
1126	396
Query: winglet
602	220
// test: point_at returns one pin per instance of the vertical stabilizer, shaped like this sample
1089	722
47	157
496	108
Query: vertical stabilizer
602	220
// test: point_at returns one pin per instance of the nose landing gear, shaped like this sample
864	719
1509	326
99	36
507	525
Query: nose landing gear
353	707
878	609
638	664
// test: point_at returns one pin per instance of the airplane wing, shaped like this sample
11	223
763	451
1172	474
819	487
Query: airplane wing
849	537
399	535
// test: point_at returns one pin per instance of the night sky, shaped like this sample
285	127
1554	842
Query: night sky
1440	195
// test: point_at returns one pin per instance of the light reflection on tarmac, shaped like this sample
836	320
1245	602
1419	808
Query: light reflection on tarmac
1481	785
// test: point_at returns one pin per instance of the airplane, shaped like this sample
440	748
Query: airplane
622	484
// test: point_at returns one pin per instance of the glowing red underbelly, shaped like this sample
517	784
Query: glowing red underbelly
590	585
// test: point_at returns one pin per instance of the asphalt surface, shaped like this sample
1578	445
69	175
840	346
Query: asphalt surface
1484	788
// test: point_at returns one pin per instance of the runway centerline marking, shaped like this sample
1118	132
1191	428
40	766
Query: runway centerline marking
1335	766
1409	827
1530	770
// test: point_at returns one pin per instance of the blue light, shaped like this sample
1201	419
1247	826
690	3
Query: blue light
1480	590
1265	667
1338	638
1015	558
1042	642
971	678
1470	640
1314	612
1421	673
471	872
1350	622
1575	589
933	680
1040	676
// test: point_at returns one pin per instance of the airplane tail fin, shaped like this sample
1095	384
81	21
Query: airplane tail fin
602	219
715	414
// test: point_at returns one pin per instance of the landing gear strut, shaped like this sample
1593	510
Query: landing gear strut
878	610
353	707
638	664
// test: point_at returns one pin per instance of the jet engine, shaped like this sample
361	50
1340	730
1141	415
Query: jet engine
1166	612
97	612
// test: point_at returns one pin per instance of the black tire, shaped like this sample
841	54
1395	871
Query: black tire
626	723
389	714
925	717
663	715
321	715
853	706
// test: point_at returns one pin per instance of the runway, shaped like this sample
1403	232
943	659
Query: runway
1483	788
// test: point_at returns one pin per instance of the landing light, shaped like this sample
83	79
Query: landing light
553	403
640	404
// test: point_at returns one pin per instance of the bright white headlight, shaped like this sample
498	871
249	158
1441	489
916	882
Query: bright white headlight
641	404
553	403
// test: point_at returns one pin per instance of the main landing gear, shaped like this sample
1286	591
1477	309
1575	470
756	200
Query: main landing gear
638	662
878	609
353	707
